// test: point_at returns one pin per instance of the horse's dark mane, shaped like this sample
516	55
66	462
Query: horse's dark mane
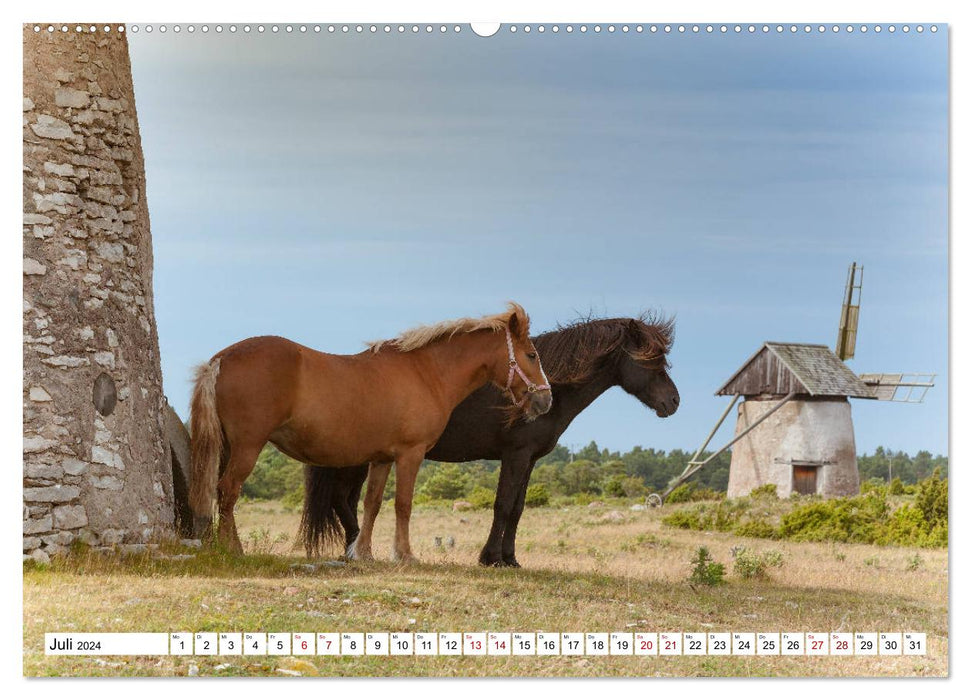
572	352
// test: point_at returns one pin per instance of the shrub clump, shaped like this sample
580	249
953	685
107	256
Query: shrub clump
690	492
682	494
623	486
723	516
537	495
481	497
836	520
750	564
447	483
932	499
768	491
706	571
873	485
293	500
869	518
755	527
686	519
923	523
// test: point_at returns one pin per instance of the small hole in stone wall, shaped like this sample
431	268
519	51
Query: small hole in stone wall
104	394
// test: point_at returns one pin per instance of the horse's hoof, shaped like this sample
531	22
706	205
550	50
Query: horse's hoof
202	528
489	560
353	553
407	559
511	563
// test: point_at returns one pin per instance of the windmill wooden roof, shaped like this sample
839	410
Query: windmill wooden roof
780	368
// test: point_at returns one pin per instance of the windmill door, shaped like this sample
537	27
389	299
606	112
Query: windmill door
804	478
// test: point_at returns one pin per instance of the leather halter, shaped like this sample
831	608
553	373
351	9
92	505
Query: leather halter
515	369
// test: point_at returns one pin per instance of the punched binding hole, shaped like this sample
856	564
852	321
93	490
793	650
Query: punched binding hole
485	29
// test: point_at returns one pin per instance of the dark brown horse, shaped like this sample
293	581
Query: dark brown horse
582	360
387	404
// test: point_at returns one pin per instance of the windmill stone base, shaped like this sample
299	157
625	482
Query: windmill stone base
806	446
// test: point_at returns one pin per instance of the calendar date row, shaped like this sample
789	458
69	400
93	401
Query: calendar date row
490	644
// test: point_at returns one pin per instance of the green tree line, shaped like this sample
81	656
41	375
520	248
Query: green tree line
590	471
883	462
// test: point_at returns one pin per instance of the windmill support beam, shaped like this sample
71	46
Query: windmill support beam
714	430
694	466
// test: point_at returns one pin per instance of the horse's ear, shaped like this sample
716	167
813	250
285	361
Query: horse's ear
518	324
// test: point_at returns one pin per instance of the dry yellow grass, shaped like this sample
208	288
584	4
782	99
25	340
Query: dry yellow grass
586	569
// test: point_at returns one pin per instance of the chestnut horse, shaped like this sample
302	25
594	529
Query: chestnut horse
583	360
387	404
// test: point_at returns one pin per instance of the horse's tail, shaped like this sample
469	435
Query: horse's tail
327	493
207	440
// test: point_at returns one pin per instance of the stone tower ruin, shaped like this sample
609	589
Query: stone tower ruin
96	465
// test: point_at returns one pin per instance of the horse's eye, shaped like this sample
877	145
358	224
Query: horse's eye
531	355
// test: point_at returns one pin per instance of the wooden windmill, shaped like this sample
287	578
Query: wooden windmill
794	428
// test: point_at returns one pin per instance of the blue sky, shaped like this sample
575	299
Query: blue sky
337	189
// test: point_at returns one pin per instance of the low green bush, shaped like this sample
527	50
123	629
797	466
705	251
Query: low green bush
293	500
873	485
537	495
447	482
768	491
622	486
722	516
932	500
706	571
749	564
908	526
481	497
690	492
869	518
614	486
583	499
685	519
854	519
682	494
755	528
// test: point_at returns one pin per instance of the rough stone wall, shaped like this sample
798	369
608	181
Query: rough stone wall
807	431
95	464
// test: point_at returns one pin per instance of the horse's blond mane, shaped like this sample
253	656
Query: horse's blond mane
421	336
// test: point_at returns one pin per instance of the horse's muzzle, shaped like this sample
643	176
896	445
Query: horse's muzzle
668	407
538	403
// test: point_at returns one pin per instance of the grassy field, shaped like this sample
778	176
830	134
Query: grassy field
599	568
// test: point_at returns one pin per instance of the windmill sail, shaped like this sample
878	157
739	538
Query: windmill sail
901	388
850	315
